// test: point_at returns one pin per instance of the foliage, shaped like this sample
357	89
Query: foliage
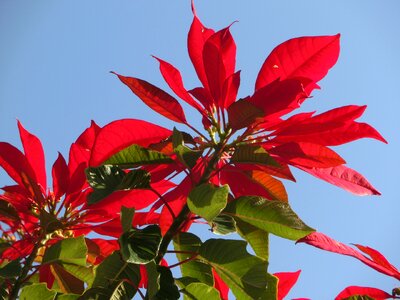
120	182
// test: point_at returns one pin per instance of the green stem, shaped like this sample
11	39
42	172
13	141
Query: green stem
24	273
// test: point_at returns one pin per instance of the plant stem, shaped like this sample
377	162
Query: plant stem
21	278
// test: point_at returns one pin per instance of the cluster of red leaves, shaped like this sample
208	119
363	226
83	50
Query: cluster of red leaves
286	79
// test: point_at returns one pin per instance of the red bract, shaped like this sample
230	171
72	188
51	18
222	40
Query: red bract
364	291
286	280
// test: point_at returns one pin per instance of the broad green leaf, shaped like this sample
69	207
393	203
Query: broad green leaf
66	282
152	279
242	114
198	290
272	216
140	246
37	291
109	275
11	269
107	178
186	155
271	292
85	274
207	200
127	218
70	251
168	289
135	155
8	211
120	292
253	154
223	225
245	274
188	242
257	238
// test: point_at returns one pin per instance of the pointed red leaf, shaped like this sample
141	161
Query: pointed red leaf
157	99
377	294
286	280
307	155
219	55
204	97
345	178
279	97
230	89
324	242
310	57
377	257
34	154
15	163
60	174
120	134
220	285
198	34
173	78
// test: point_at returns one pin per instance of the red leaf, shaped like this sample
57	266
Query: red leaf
157	99
376	257
307	155
204	97
334	127
221	286
198	34
219	54
309	57
15	163
279	97
230	89
60	173
345	178
81	150
286	281
34	154
363	291
120	134
173	78
324	242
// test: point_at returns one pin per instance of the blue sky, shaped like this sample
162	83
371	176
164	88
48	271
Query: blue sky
55	58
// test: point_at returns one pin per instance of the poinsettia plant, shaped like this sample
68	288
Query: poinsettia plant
130	191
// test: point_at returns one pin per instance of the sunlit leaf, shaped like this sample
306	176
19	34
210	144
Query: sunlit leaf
198	290
37	291
223	225
257	238
275	217
70	250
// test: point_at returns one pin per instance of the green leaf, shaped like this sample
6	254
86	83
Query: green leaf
8	211
127	218
223	225
11	269
168	289
272	216
68	297
107	178
140	245
37	291
257	238
188	242
70	251
86	274
135	155
120	292
152	279
109	275
186	155
198	290
242	114
207	200
245	274
253	154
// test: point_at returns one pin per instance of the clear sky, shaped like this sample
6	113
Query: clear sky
55	58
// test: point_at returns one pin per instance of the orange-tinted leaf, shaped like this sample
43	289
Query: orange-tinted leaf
310	57
307	155
345	178
120	134
173	78
324	242
286	280
34	154
60	173
363	291
157	99
67	282
274	187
